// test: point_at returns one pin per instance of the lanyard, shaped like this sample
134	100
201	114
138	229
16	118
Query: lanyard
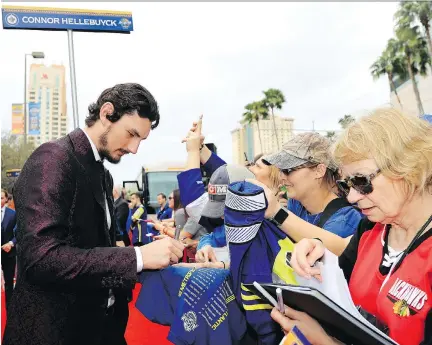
401	257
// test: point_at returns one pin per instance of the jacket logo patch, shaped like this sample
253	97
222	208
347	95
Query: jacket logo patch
407	299
189	321
217	189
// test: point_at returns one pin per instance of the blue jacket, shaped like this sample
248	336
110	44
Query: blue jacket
259	252
198	304
194	197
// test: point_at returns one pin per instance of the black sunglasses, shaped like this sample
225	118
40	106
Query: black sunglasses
170	198
361	183
306	165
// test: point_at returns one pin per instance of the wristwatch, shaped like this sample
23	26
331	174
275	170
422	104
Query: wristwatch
279	217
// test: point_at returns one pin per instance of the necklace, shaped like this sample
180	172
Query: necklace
404	253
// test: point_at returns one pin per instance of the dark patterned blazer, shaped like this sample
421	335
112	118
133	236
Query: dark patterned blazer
66	263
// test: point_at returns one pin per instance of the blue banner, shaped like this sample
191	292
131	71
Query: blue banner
40	18
34	118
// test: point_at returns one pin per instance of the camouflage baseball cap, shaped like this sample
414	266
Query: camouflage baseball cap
303	148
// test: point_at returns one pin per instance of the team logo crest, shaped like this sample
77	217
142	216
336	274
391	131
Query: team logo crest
12	19
407	299
189	321
125	23
401	308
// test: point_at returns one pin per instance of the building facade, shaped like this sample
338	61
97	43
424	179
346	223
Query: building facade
252	139
407	96
47	86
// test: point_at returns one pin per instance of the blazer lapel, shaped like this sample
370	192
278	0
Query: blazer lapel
85	156
4	221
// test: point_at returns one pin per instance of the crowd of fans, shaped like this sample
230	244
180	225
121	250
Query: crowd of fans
367	198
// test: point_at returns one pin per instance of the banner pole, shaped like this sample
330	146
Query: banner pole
73	78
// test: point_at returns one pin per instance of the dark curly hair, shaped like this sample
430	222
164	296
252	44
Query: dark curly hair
126	98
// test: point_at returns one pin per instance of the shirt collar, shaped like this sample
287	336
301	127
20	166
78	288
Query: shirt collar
94	149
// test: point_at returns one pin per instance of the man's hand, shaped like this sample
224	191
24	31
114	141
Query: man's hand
162	253
205	254
7	247
272	199
120	244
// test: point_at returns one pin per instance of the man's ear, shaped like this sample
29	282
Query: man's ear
105	112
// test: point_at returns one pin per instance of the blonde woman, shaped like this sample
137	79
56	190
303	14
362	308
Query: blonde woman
386	159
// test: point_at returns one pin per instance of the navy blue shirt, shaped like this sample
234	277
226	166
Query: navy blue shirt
165	213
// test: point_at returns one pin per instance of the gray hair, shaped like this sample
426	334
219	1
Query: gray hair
118	189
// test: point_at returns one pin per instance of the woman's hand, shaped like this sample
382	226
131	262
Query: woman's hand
158	226
311	329
190	243
272	198
205	254
194	129
194	139
305	254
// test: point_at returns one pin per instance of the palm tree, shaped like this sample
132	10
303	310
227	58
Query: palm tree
274	98
413	51
391	64
411	12
331	135
254	112
346	121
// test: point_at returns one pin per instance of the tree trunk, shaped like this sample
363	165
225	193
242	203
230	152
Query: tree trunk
259	136
390	77
429	40
415	88
274	129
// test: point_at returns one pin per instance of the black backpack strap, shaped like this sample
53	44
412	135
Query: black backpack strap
331	208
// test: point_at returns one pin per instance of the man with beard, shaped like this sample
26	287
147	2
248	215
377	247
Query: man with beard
73	282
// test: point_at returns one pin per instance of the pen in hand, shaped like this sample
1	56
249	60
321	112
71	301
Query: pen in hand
281	306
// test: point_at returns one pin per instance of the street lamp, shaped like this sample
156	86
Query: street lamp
35	55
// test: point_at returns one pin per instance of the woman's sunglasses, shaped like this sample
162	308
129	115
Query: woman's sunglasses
361	183
170	198
306	165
